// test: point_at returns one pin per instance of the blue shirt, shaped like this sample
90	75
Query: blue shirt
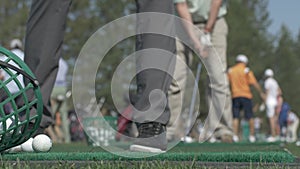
285	108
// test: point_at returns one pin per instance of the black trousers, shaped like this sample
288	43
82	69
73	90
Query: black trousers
44	38
155	60
43	42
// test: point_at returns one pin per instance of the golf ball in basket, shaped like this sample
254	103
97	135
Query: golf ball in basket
41	143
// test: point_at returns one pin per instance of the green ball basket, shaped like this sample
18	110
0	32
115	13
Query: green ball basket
25	105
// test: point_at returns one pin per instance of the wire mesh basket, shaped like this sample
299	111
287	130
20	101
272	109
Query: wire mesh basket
21	109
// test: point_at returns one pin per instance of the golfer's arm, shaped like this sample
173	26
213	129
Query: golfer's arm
183	12
213	15
279	91
258	88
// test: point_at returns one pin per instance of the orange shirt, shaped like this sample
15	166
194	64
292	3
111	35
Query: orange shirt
240	78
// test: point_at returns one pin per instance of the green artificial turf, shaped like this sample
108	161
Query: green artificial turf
206	152
226	147
273	157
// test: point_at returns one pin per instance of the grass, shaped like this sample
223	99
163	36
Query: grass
195	155
181	147
292	148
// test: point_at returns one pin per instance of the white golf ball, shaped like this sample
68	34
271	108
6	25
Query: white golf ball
27	145
41	143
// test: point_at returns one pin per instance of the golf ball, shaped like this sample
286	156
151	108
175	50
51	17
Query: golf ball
41	143
27	146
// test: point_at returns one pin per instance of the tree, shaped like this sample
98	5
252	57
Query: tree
248	22
286	66
13	17
85	18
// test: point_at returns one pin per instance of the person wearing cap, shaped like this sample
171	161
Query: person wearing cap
16	47
241	78
272	90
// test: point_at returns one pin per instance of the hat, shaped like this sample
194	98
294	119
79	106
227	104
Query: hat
269	73
242	58
15	43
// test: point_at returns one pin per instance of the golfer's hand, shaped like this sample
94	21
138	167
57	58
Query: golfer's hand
263	96
206	40
199	48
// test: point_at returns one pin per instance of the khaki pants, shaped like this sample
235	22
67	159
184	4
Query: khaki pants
219	97
292	131
176	126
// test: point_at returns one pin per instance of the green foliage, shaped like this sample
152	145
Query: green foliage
13	17
248	22
85	18
248	34
286	66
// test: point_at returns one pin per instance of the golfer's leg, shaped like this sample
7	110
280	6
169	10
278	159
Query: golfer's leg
220	43
43	42
175	128
219	96
150	79
294	130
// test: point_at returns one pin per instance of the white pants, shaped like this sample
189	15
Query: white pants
292	131
271	105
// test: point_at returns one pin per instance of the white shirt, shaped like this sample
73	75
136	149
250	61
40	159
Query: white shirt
200	9
62	73
12	86
272	86
292	117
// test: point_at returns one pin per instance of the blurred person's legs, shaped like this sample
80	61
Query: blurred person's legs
249	116
236	108
58	129
272	121
43	42
176	125
51	133
237	105
60	91
283	128
252	137
292	130
152	118
277	114
216	63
